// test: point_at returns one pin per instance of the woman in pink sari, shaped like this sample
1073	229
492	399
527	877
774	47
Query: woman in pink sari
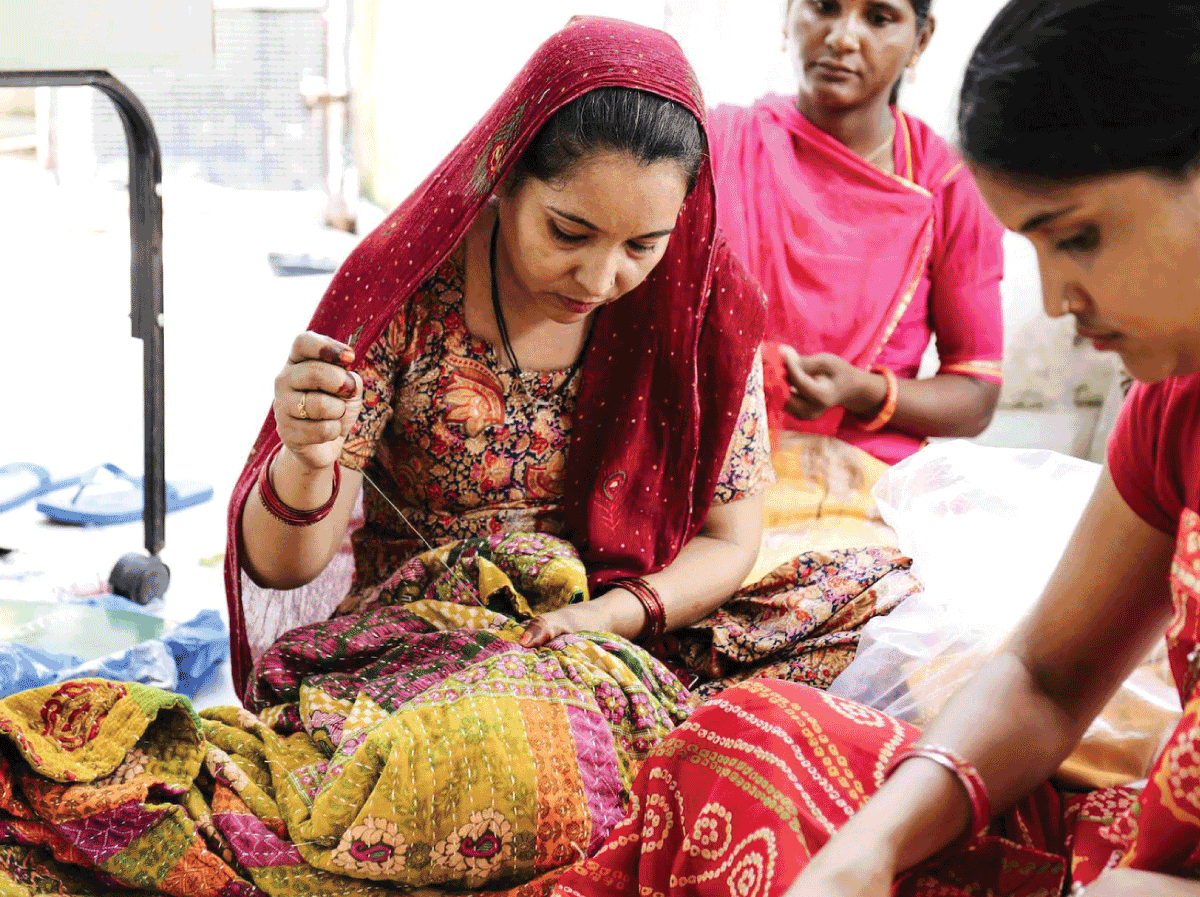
870	239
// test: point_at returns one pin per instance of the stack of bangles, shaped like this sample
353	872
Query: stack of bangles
968	776
656	614
888	408
285	513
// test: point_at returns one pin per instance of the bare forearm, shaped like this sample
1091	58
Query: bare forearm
942	405
708	569
277	555
1105	606
1001	721
705	574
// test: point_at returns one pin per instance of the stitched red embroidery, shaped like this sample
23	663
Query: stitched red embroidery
72	716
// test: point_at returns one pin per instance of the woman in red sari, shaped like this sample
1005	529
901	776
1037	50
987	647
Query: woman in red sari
548	336
541	374
1081	121
545	362
870	238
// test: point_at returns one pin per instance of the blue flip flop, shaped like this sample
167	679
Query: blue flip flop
91	506
21	481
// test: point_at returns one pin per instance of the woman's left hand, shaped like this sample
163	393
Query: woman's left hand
823	381
616	612
589	616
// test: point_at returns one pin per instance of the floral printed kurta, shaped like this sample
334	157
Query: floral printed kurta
467	447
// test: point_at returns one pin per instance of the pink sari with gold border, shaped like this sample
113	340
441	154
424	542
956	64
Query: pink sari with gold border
857	262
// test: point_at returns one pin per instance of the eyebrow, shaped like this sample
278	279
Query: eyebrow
1041	220
585	223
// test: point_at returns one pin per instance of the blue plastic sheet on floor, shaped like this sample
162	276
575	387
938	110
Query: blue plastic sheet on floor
181	659
198	647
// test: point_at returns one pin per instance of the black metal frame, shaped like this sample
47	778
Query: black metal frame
146	296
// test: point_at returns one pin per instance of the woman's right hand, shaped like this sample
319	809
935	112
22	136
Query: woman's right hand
317	400
823	381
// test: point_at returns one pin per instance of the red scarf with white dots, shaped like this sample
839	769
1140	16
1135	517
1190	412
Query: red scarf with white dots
666	368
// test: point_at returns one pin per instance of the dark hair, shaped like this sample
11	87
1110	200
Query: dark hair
1067	89
648	127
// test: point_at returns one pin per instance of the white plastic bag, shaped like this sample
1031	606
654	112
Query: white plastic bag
985	528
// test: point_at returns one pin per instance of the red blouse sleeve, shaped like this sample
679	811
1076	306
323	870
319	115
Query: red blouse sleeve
1144	452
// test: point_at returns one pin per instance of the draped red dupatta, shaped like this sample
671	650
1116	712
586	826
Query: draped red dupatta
666	368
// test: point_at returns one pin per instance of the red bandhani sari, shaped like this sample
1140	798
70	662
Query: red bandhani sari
856	262
742	795
666	368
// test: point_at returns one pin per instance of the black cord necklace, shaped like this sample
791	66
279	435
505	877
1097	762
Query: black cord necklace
497	311
502	325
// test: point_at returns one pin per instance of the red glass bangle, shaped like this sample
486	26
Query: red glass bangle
285	513
968	776
889	401
648	597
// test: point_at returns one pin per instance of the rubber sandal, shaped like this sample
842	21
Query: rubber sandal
16	479
101	505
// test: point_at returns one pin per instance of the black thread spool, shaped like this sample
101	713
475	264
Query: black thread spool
139	578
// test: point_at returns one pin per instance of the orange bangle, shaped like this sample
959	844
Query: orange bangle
889	401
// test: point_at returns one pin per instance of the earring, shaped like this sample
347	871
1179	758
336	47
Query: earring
910	72
1066	306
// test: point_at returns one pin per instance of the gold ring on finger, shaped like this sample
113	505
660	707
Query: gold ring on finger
302	406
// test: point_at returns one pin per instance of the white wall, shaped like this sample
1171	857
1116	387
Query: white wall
435	68
735	47
95	34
